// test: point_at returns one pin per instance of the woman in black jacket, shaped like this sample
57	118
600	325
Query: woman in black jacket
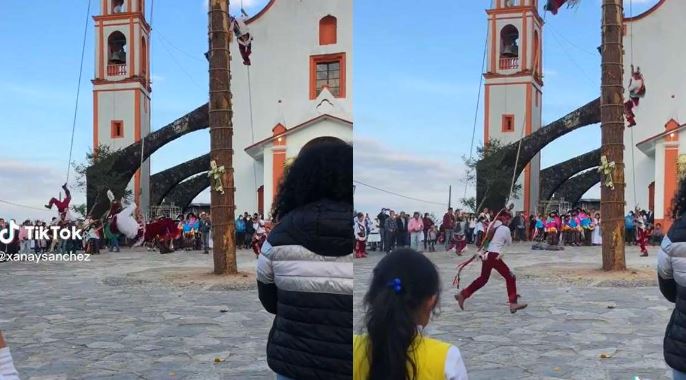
305	269
671	269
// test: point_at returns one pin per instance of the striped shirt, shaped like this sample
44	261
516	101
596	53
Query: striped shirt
7	370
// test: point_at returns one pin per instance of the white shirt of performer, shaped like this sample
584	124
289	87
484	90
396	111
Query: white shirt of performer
240	29
259	227
7	370
501	238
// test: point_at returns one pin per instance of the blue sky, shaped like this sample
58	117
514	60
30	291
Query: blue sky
38	78
417	74
416	77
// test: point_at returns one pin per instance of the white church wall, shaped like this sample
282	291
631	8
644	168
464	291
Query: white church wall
662	65
284	39
507	99
323	128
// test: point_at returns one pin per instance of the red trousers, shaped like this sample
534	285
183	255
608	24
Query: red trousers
642	239
245	51
486	267
62	206
360	248
257	244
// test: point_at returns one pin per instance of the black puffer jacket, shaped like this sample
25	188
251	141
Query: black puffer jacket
671	267
305	277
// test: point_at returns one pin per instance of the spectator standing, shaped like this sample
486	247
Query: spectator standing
391	227
416	229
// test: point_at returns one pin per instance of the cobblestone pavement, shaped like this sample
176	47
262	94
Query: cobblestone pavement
563	332
95	321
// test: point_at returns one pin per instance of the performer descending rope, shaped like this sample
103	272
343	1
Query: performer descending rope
243	36
62	205
637	90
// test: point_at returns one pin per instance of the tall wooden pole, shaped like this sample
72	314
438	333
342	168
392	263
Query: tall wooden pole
221	139
612	125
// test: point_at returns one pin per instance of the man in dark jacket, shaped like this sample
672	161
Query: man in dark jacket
402	234
391	230
382	228
671	269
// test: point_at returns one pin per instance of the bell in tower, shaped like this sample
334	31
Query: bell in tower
509	36
117	48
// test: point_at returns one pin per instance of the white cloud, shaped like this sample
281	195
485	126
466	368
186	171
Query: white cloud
405	173
30	185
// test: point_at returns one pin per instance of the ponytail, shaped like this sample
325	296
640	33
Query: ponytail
401	283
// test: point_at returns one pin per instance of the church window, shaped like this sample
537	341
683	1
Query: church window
508	123
327	71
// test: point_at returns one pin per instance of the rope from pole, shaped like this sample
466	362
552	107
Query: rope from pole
476	111
78	90
252	125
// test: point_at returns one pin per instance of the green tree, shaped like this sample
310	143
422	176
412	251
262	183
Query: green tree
492	180
99	177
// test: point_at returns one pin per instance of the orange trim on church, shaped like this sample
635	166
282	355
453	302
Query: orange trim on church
646	13
525	43
494	38
278	157
487	110
137	137
95	121
261	13
132	48
671	170
101	55
315	59
527	170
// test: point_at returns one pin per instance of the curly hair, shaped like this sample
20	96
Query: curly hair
322	170
679	201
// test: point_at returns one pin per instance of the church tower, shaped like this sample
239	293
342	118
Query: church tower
513	84
121	88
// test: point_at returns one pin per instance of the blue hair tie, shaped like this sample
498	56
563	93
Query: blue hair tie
396	285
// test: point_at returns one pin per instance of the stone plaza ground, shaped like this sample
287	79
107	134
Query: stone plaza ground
580	323
124	316
141	315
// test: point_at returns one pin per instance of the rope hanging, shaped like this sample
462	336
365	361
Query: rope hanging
631	56
476	111
140	167
252	126
78	90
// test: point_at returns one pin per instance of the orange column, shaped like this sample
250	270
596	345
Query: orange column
494	38
279	161
671	176
137	137
278	157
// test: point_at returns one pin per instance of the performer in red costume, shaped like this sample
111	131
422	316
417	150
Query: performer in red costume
62	206
497	238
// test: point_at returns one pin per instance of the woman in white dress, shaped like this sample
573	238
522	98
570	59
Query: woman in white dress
597	238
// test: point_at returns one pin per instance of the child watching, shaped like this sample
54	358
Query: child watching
401	299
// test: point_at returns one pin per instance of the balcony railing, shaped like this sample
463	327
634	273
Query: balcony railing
509	63
116	70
